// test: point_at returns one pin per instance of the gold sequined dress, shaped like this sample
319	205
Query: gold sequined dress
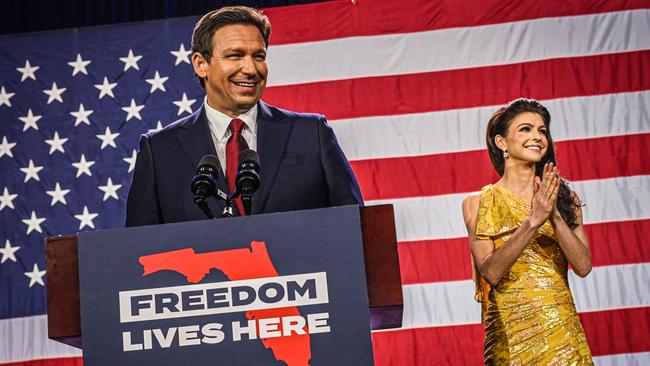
529	317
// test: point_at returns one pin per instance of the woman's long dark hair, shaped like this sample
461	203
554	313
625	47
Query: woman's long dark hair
498	125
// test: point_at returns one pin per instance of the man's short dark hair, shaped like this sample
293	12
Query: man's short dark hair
216	19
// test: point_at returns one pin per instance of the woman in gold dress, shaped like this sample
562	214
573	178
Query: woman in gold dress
524	231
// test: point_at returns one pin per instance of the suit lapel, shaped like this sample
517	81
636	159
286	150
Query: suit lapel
273	134
195	140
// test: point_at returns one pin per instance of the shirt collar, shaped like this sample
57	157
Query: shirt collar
220	121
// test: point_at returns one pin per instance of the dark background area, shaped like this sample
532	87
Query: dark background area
19	16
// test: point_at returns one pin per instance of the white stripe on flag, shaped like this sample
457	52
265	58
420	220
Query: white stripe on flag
438	217
611	287
456	48
452	303
625	359
464	129
26	339
440	303
614	199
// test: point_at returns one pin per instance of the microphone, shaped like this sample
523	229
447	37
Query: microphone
204	183
248	178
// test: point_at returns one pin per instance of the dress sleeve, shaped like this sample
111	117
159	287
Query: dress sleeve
486	225
498	213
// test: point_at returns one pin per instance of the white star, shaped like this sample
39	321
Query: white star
158	127
184	105
35	276
34	223
108	138
133	110
86	218
31	171
58	194
130	61
110	189
8	252
5	97
181	55
54	93
56	143
27	71
83	166
7	199
157	82
30	120
5	147
79	65
106	88
81	116
131	160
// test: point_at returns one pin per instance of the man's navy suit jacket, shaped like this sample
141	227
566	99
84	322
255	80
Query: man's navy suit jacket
301	167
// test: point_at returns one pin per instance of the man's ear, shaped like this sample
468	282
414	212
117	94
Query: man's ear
200	64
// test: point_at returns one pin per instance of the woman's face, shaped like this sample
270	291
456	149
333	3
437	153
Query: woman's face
526	139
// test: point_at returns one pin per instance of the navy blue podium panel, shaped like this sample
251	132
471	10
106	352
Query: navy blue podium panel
275	289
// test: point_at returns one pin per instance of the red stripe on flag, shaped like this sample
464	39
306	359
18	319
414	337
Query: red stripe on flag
617	331
608	332
441	260
64	361
455	345
619	242
469	171
339	19
434	260
428	175
467	88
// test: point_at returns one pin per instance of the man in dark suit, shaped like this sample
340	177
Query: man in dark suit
302	165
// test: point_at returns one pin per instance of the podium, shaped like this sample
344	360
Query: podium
291	287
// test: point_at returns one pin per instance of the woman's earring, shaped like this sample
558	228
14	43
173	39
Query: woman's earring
505	154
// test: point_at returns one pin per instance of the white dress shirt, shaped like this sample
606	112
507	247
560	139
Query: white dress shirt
220	132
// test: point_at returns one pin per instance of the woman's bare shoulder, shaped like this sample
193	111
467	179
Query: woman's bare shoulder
471	202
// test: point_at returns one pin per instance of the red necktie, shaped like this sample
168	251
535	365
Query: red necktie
235	145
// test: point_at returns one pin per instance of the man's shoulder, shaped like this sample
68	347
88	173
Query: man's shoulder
173	128
281	114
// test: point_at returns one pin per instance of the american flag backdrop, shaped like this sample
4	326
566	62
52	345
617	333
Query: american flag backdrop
408	87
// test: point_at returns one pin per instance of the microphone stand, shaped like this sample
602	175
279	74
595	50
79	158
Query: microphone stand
202	203
246	198
247	202
228	210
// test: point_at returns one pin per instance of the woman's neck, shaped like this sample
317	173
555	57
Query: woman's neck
519	178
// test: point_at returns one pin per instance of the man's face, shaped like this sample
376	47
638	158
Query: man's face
235	76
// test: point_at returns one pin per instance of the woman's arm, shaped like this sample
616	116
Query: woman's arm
494	264
573	242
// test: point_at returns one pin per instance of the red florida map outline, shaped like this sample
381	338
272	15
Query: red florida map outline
238	264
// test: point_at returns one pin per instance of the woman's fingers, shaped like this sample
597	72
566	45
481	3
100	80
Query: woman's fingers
545	192
548	177
555	189
551	185
537	186
548	180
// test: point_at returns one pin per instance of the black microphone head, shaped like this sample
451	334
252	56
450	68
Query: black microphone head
209	160
204	183
249	156
248	178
